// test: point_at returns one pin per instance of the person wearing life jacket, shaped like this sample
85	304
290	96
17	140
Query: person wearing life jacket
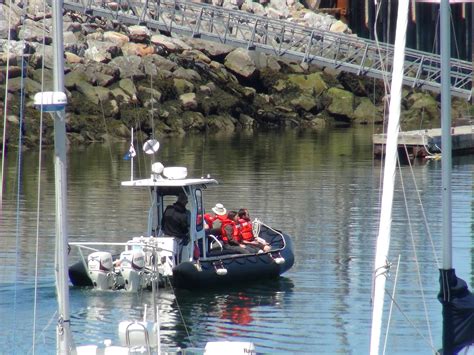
246	232
208	220
229	231
245	225
214	223
230	234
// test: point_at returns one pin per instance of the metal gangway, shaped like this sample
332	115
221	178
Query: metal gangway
280	38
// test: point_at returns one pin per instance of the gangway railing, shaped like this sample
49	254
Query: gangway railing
281	38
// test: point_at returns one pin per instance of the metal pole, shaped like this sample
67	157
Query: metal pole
63	331
131	158
445	45
389	173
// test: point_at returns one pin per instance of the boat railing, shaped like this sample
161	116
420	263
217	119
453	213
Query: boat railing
256	230
86	245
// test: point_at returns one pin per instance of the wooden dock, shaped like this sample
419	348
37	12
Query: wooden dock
426	142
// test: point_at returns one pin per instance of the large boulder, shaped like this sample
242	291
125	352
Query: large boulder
32	31
30	86
311	84
195	55
304	102
129	67
129	87
213	50
72	43
88	91
169	43
366	112
241	63
194	121
341	103
139	49
188	101
101	51
74	78
183	86
149	95
11	72
120	96
17	48
221	123
10	18
139	34
254	8
98	73
186	74
160	62
43	55
423	112
119	39
264	61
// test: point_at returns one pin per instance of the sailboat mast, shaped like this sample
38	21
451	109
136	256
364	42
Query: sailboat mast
383	238
63	332
445	45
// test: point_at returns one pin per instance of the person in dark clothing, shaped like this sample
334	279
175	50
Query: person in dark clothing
176	219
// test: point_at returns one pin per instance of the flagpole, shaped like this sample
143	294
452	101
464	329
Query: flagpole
131	165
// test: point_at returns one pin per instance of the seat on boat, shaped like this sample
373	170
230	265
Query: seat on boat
217	248
214	243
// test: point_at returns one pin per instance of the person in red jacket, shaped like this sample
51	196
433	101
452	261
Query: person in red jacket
229	231
246	232
230	234
208	220
214	222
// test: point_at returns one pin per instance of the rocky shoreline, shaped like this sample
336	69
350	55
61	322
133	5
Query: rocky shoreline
118	77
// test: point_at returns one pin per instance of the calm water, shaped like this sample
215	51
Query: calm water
323	189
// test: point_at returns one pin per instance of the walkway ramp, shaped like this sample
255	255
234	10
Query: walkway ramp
281	38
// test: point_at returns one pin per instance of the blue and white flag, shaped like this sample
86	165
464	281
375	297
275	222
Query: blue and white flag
130	154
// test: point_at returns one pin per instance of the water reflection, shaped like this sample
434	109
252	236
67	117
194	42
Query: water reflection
233	314
322	189
187	319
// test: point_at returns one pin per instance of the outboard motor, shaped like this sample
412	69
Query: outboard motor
168	255
132	263
101	269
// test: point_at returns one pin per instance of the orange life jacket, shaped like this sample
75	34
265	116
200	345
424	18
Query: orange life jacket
209	219
246	232
235	232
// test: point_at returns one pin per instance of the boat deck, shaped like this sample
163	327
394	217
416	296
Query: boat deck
426	142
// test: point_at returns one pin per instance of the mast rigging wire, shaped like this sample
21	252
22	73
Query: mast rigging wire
5	108
38	201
